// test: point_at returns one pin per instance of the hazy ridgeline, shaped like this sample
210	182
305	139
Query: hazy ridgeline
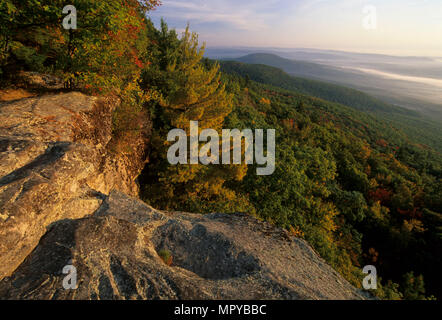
359	178
410	82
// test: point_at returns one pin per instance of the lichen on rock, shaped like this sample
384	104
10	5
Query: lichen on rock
55	164
67	198
215	256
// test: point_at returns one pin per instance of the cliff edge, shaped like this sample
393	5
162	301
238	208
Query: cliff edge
66	199
55	163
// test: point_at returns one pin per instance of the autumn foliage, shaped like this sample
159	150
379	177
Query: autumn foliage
357	190
102	54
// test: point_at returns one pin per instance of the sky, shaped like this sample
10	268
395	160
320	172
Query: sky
400	27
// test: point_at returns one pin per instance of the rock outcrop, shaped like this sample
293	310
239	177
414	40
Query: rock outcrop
67	199
216	256
55	163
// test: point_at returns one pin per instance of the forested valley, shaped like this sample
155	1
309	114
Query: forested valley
360	189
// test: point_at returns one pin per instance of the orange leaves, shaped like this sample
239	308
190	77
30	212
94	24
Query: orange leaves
296	232
372	255
264	101
289	123
413	225
138	63
365	152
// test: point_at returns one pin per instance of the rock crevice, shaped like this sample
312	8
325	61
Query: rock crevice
217	256
54	163
66	199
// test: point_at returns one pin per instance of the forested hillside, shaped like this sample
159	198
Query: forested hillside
298	68
419	128
358	71
275	76
349	183
356	188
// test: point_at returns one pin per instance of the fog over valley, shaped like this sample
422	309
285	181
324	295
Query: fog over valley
408	81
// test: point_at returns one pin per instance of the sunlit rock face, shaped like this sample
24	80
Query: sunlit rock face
116	253
67	199
55	164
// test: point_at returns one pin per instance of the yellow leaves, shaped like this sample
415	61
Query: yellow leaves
239	171
296	232
265	101
181	174
413	225
328	222
379	212
365	152
376	210
398	166
323	215
373	184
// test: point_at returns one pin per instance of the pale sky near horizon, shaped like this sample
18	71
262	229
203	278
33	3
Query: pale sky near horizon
404	27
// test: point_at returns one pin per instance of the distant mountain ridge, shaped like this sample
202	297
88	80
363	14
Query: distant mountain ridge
295	67
258	68
309	54
393	84
421	128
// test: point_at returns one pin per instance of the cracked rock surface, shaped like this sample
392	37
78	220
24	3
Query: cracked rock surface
215	256
67	200
54	165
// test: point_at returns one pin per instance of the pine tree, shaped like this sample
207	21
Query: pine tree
191	91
